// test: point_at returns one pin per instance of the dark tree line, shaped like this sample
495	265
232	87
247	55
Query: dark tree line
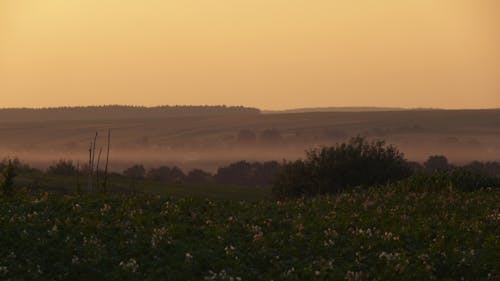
118	112
241	173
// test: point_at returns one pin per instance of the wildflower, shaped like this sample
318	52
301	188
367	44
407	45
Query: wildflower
229	250
3	270
157	236
53	230
105	208
354	276
130	265
76	207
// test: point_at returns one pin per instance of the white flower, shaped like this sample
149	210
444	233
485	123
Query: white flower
3	270
189	257
130	265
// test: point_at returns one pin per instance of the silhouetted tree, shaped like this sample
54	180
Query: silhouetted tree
248	174
199	176
436	163
491	169
135	172
62	167
166	174
238	173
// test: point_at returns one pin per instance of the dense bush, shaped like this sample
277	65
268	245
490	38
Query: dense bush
8	174
199	177
437	163
166	174
248	174
332	169
452	179
17	164
135	172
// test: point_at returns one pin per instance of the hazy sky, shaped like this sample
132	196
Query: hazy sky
265	53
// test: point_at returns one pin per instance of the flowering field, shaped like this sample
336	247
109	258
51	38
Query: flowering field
379	234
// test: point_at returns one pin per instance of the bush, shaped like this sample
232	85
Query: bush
63	167
166	174
244	173
333	169
198	176
7	181
437	163
454	179
135	172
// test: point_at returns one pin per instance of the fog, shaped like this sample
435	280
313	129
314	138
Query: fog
213	138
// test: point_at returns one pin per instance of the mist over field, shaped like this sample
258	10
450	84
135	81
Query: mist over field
211	137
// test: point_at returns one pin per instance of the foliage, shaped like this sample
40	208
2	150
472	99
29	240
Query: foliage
7	180
453	179
333	169
199	176
166	174
248	174
372	234
135	172
436	163
63	167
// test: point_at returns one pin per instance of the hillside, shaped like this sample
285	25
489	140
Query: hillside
211	140
112	112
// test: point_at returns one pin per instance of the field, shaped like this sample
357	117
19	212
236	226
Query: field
377	234
208	142
61	184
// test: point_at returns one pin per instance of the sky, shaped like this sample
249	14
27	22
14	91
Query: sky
270	54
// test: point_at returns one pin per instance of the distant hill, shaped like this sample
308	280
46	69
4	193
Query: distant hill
118	112
342	109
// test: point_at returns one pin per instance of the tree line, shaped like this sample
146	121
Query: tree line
356	163
118	112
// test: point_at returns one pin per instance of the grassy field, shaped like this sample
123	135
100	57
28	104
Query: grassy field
376	234
69	184
211	141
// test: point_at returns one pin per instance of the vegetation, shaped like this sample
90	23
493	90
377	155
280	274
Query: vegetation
7	180
63	167
346	165
118	112
372	234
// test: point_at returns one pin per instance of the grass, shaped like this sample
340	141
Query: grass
375	234
68	184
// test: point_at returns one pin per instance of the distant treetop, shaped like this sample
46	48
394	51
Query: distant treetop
118	112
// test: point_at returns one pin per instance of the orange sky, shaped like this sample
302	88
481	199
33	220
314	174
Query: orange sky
272	54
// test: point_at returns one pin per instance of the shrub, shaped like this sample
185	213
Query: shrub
166	174
244	173
454	179
199	177
8	175
135	172
62	167
332	169
436	163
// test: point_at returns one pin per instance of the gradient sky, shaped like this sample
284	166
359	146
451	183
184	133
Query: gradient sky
271	54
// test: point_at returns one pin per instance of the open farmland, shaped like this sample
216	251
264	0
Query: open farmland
211	140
